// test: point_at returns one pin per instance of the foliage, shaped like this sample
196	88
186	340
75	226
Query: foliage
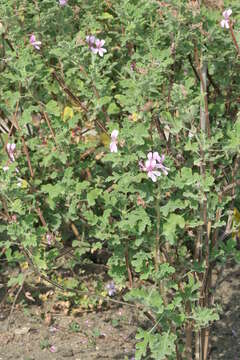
64	188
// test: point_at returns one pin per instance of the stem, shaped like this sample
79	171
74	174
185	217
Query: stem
202	72
188	346
157	240
49	126
234	38
197	345
206	343
128	266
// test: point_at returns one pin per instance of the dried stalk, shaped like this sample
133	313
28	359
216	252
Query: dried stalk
128	266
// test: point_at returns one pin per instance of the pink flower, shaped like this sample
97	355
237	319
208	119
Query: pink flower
99	47
154	162
53	349
113	144
11	149
49	238
63	2
90	39
225	21
34	43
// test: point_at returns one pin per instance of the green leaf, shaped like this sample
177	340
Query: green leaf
17	207
105	16
113	109
53	108
169	228
53	190
92	196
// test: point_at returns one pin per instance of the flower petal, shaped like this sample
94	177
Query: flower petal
150	155
152	176
32	39
156	156
147	164
113	147
98	43
114	134
227	13
94	50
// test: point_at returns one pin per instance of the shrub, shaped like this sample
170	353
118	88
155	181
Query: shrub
126	125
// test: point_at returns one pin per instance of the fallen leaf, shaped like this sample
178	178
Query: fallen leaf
29	296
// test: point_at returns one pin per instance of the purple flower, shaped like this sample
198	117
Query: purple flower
113	144
111	288
90	39
96	45
34	43
11	149
154	162
63	2
225	21
99	47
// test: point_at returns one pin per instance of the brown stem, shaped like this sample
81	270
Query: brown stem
201	70
234	38
66	89
214	85
28	157
128	266
49	126
206	336
193	67
38	210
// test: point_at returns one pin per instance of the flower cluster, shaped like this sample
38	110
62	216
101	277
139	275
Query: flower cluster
34	43
153	164
225	21
96	45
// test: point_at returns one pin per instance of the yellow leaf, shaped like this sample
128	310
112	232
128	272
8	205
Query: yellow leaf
24	265
236	219
24	184
134	117
105	139
67	113
236	215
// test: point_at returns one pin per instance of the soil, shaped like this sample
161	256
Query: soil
40	332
